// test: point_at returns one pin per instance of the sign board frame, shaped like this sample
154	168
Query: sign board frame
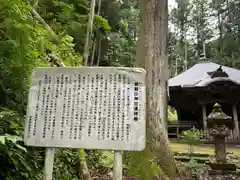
120	82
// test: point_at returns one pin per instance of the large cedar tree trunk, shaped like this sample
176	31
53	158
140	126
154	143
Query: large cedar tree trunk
152	55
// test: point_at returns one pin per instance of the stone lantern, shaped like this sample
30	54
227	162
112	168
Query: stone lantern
220	126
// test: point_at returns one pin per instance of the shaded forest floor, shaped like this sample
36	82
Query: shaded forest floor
204	153
198	171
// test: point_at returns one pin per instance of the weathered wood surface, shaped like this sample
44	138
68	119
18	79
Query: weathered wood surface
87	107
48	163
153	56
118	165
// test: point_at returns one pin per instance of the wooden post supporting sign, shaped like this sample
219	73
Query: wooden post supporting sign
117	167
48	163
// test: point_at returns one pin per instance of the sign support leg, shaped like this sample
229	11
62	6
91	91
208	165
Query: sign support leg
48	163
117	167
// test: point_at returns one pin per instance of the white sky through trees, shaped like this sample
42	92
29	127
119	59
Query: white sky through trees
172	4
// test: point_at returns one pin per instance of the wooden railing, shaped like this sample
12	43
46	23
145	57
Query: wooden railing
184	124
178	126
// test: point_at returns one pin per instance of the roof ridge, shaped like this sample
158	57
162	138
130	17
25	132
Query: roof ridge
199	71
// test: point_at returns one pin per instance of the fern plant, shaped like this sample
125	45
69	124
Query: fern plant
16	160
192	137
142	165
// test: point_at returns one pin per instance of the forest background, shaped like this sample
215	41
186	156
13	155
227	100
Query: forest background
195	27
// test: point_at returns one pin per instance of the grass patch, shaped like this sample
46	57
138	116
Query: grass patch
201	149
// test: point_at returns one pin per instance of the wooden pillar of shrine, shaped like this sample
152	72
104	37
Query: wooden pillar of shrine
179	117
235	120
204	117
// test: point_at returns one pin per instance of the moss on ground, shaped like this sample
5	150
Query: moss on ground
201	149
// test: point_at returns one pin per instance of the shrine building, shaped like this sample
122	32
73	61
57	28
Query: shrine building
194	92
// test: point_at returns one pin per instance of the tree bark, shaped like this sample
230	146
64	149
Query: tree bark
83	168
89	32
42	21
220	27
53	59
99	40
152	54
99	51
99	7
93	51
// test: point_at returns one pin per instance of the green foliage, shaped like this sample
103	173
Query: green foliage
101	160
214	22
101	24
192	137
172	114
107	159
23	45
119	52
192	165
65	51
192	168
22	48
122	38
71	17
16	160
64	165
143	165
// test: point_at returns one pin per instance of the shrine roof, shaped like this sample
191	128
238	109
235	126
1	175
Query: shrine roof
204	73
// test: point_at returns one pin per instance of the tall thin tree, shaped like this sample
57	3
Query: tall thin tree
89	32
97	40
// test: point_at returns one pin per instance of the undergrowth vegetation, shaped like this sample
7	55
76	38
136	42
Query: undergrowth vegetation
25	44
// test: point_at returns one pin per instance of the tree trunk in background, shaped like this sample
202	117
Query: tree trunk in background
83	168
89	32
99	7
93	51
99	40
99	51
185	54
220	27
152	54
37	16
